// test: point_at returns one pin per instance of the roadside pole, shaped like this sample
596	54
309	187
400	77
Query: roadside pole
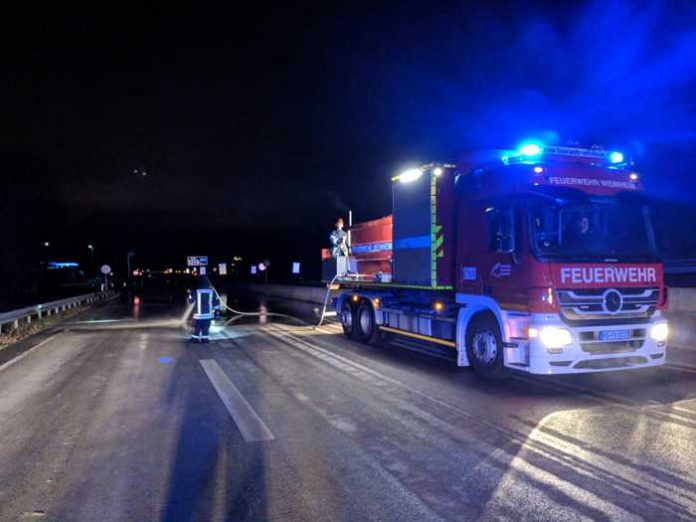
106	270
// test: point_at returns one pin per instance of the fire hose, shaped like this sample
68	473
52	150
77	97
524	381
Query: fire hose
240	314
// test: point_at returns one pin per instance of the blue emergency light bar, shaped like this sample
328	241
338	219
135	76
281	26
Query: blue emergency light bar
616	157
533	151
530	150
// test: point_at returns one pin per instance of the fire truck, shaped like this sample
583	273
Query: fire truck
541	259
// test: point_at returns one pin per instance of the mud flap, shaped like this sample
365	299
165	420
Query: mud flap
462	359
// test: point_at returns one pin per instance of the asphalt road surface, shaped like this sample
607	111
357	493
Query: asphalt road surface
126	421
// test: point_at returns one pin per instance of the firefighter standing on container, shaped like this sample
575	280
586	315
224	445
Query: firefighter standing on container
207	305
339	240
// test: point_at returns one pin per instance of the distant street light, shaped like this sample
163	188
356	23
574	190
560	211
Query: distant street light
46	244
90	247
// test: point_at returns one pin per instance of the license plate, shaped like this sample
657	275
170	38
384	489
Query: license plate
614	335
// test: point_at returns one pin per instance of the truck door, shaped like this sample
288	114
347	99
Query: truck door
490	259
504	274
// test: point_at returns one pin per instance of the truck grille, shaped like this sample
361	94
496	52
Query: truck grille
616	304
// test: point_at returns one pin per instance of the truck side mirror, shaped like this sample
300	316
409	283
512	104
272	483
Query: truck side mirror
501	229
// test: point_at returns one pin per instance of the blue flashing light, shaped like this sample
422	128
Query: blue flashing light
616	157
530	150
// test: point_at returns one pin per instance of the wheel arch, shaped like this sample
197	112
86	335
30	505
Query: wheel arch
369	296
474	306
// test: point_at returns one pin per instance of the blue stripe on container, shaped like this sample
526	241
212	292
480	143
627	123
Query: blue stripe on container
372	247
412	242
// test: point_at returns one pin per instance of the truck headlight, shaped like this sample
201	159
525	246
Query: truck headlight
552	336
659	332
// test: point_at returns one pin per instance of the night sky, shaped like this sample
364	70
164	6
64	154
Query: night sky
257	128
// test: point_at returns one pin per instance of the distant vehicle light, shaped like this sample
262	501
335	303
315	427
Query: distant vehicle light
62	264
659	332
538	169
616	157
633	176
531	150
437	171
410	175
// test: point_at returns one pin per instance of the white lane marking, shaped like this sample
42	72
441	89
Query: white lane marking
247	420
23	355
143	341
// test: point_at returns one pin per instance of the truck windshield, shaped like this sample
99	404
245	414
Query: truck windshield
593	229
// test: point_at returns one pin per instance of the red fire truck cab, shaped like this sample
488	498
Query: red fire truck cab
541	260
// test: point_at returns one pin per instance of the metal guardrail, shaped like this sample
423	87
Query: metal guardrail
14	317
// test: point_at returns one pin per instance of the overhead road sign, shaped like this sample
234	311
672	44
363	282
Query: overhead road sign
197	261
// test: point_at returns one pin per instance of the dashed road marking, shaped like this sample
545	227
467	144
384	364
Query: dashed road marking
249	423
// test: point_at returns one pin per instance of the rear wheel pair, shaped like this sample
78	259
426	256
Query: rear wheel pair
358	321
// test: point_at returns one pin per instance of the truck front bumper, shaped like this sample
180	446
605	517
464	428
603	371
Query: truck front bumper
592	348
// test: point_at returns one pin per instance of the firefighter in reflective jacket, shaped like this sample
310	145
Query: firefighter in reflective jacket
207	305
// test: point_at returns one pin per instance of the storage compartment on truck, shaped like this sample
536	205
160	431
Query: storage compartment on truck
423	220
371	246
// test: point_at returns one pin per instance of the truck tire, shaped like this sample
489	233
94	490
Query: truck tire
365	325
348	319
484	346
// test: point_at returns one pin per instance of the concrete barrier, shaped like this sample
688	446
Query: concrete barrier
681	316
304	294
682	300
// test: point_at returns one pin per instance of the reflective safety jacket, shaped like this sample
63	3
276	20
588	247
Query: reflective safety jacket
339	243
207	303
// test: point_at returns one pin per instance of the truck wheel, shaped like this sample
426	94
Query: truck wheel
365	326
484	346
347	319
